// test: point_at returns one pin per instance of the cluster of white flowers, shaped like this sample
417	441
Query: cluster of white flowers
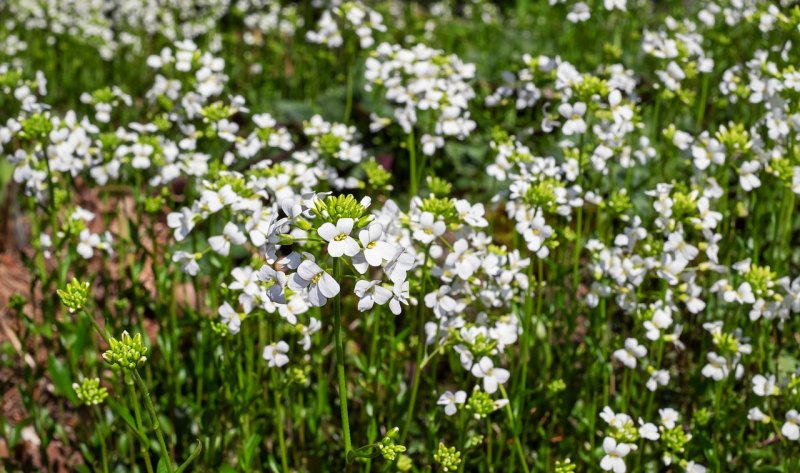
263	18
350	16
429	89
668	436
679	47
111	26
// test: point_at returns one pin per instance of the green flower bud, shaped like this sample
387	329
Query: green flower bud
377	176
154	204
473	441
342	206
127	352
439	187
565	467
387	446
404	463
36	127
90	392
448	458
75	295
481	404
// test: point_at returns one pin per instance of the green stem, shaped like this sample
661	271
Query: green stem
137	414
517	443
337	335
101	429
154	417
348	108
195	454
411	143
279	421
420	348
701	105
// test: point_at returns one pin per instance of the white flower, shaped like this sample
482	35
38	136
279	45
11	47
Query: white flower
463	260
321	285
87	242
275	354
230	234
791	428
693	467
244	280
574	115
743	294
612	4
399	296
613	460
230	318
648	430
441	303
657	378
399	265
430	144
765	386
669	417
182	222
141	155
756	415
370	293
580	12
338	237
660	321
492	377
188	262
276	280
630	353
717	367
451	400
376	251
537	233
429	228
747	175
675	243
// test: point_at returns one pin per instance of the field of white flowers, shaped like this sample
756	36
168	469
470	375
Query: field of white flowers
452	236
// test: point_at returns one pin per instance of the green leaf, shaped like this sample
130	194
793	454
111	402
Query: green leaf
162	466
250	448
61	378
123	413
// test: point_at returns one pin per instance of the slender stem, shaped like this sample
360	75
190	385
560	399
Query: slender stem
156	424
526	316
517	443
137	414
411	143
702	104
96	326
101	429
279	421
337	335
349	99
195	454
420	348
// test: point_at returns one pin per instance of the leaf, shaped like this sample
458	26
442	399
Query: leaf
126	416
61	378
162	466
250	447
227	469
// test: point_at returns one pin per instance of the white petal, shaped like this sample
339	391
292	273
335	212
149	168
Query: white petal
327	231
327	285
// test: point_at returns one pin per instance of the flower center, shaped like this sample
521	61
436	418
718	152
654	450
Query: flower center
371	245
340	237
